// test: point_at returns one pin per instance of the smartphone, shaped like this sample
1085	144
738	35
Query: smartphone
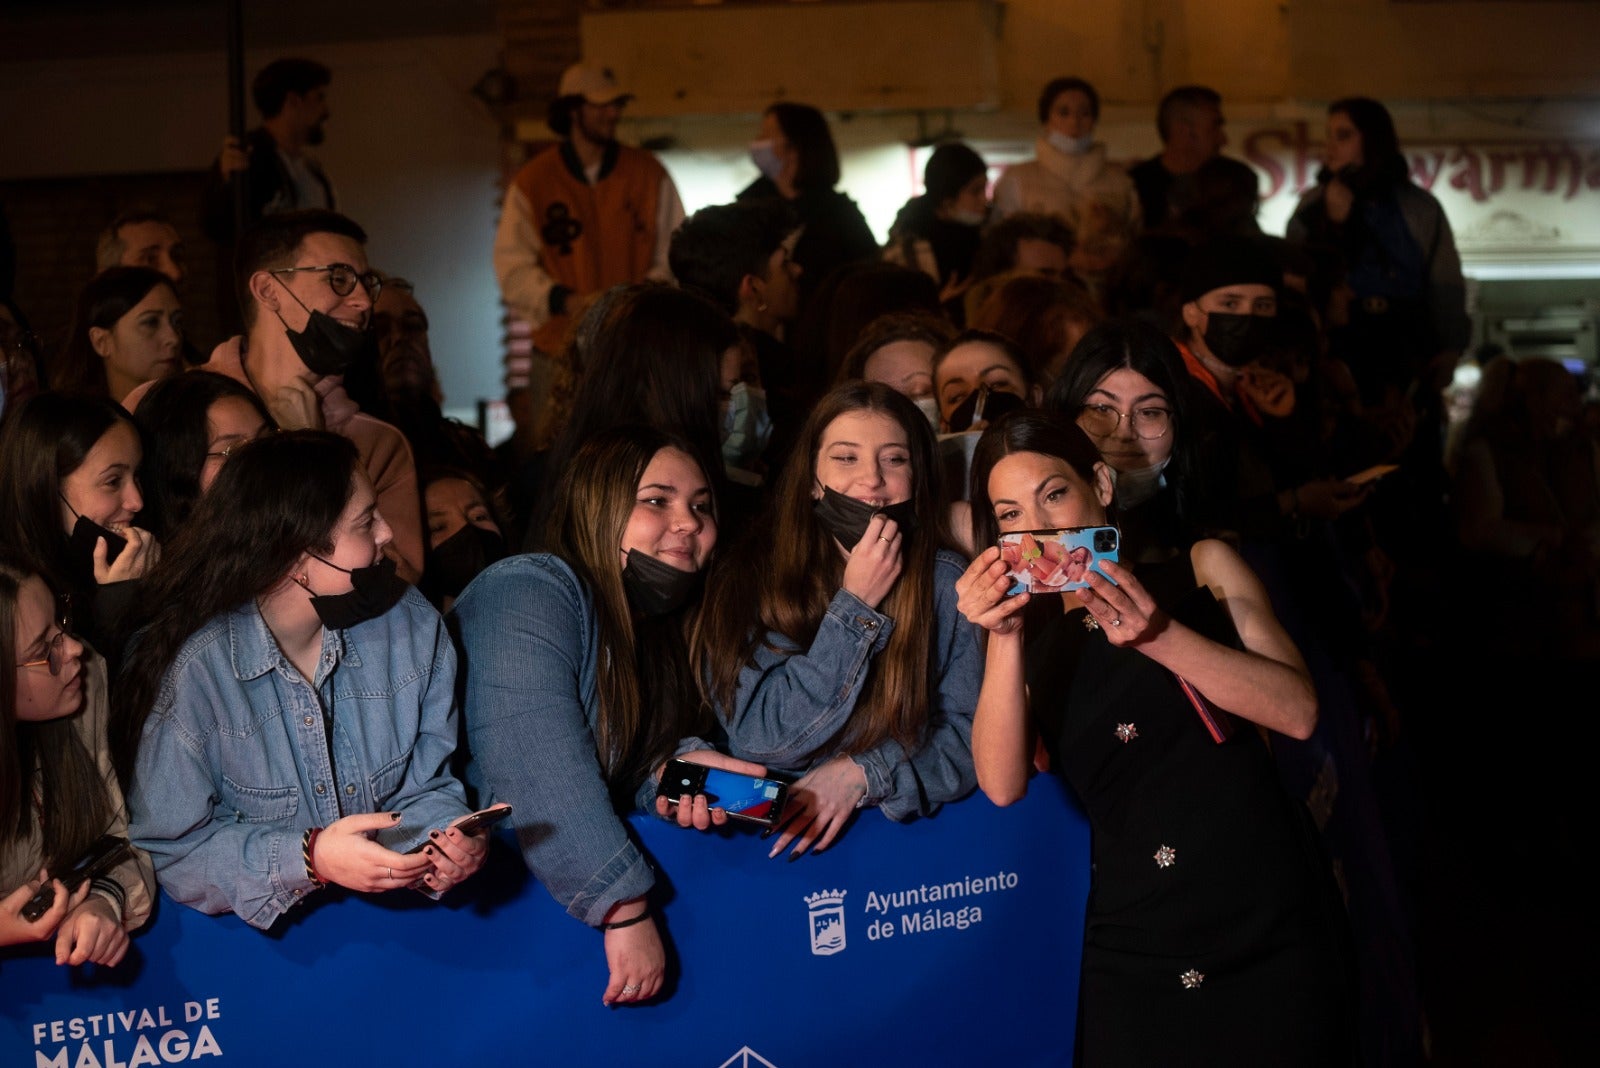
471	824
1053	561
743	797
1371	474
101	857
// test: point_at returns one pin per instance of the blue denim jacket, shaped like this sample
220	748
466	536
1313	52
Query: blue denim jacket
531	649
791	701
235	763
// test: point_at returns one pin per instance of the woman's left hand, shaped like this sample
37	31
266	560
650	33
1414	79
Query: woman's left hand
91	934
819	805
455	856
1126	612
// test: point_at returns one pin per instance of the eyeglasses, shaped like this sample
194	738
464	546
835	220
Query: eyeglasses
342	278
53	658
1102	420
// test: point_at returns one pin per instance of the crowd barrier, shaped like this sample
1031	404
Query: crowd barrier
947	941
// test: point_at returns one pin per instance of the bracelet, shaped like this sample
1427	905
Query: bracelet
629	922
307	844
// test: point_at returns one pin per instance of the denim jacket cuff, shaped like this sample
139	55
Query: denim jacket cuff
878	764
853	613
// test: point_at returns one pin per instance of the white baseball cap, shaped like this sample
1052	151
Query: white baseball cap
597	85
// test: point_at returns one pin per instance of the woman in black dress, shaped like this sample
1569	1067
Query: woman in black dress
1215	934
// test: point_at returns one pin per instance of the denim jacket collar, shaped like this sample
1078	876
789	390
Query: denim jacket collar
255	651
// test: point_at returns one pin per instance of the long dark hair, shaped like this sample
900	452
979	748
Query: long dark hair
806	130
174	415
274	499
647	696
108	296
1145	349
73	808
42	441
1025	430
1382	162
782	576
650	354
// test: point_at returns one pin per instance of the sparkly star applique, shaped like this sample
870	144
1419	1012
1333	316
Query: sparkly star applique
1126	732
1166	857
1191	979
1089	622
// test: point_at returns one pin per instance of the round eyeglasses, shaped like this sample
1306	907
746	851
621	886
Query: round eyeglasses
342	278
53	657
1103	420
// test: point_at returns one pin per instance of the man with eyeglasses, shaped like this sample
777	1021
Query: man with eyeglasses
580	217
306	294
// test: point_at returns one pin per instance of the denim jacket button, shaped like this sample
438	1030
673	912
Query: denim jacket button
350	789
308	721
322	788
870	624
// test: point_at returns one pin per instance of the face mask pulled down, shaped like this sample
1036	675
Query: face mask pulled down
655	588
326	346
846	518
376	589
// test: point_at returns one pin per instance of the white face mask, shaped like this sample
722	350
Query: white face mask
765	157
1072	146
967	218
929	407
1135	487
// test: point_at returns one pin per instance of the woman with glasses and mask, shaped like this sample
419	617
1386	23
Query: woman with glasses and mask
58	795
192	423
69	498
1126	387
289	709
1214	925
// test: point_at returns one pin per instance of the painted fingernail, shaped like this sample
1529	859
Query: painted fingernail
433	834
428	851
395	816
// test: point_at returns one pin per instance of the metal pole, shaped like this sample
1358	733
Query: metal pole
241	180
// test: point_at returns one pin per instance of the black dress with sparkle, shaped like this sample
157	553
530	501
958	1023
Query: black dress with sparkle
1215	932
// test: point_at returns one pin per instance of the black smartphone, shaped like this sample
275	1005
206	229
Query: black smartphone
86	532
744	797
471	824
100	858
1052	561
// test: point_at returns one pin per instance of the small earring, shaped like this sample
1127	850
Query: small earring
762	306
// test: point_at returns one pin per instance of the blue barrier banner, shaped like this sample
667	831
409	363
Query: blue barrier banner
948	941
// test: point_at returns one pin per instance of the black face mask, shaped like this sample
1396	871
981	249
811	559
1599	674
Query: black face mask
85	532
985	404
655	588
846	518
326	346
457	560
1237	339
377	589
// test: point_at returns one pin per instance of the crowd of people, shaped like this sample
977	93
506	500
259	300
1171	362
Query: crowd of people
281	624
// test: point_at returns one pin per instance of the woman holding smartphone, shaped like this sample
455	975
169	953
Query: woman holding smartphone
578	688
830	643
57	793
289	706
69	498
1214	925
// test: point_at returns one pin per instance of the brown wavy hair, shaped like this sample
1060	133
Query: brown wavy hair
785	571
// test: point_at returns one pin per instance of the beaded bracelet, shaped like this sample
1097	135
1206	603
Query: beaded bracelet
307	844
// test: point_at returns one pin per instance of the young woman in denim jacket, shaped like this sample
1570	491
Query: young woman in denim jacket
57	792
578	688
830	643
300	734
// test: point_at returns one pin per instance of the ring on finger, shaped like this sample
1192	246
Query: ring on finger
630	989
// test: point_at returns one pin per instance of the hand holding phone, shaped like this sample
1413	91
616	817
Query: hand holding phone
1371	474
1054	561
99	859
470	824
745	797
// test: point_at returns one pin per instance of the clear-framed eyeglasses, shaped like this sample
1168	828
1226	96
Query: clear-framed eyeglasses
1103	420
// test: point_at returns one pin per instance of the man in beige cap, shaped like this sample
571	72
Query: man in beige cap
580	217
